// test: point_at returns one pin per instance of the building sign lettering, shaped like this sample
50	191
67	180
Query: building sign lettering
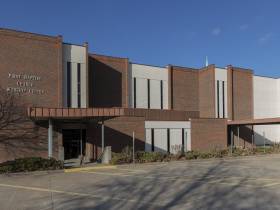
24	83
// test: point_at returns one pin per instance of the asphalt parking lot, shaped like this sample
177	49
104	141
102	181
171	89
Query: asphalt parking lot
238	183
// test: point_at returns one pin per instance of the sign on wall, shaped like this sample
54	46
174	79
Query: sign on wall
25	83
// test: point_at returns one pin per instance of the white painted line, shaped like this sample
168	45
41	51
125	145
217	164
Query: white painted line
38	189
271	184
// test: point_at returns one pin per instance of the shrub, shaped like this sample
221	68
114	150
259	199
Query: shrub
144	157
191	155
30	164
120	158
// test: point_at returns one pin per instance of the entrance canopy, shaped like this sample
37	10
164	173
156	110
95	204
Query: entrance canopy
264	121
41	113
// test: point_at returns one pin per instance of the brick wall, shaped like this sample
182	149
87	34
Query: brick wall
31	54
108	81
207	92
28	54
184	88
27	140
208	134
118	134
240	93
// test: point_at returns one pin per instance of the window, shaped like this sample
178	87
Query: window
183	139
168	140
161	94
69	78
218	99
79	84
134	92
223	84
149	103
153	140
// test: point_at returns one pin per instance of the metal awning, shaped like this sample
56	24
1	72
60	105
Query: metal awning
263	121
42	113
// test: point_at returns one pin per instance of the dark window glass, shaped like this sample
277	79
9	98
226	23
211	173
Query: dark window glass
69	91
218	99
153	140
79	84
149	94
134	91
223	99
161	94
168	140
183	138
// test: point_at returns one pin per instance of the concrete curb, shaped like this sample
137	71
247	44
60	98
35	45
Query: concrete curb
248	157
70	170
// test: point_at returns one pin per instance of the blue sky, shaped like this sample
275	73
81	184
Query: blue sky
243	33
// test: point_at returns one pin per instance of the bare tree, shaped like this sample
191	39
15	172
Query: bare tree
18	134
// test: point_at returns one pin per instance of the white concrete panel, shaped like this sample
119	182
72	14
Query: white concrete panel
221	95
187	139
148	143
155	97
266	97
175	141
271	133
64	84
74	88
165	94
155	74
149	72
175	133
74	53
167	124
266	105
221	76
83	86
160	140
141	93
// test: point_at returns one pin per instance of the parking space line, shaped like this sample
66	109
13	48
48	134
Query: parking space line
39	189
271	184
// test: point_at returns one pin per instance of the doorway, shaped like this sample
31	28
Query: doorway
73	143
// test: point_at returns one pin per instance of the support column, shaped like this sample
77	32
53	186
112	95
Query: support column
238	136
102	136
253	136
231	139
50	139
81	142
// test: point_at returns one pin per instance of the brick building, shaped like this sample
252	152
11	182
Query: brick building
74	99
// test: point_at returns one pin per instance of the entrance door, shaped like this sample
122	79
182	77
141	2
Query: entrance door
73	142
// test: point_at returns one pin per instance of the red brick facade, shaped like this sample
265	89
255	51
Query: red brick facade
208	134
32	64
207	92
108	81
117	134
184	89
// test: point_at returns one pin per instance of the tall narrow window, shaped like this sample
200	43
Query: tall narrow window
168	140
69	91
149	100
223	84
134	92
153	140
218	99
161	94
79	84
183	140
